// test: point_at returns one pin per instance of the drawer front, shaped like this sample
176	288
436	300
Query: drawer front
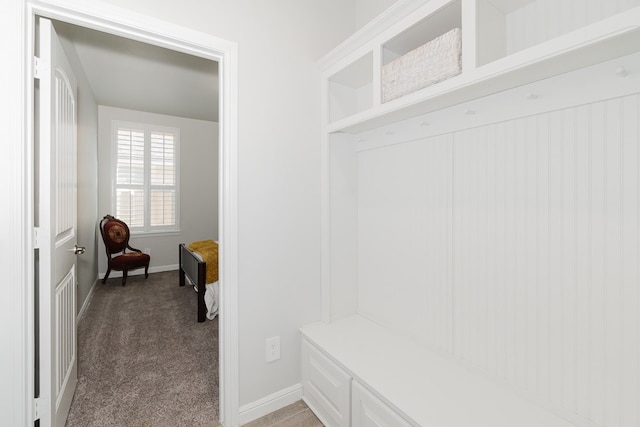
369	411
326	387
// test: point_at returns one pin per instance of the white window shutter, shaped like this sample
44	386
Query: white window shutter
130	207
146	176
162	159
163	179
130	157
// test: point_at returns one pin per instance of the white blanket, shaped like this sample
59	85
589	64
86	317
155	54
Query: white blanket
210	294
211	299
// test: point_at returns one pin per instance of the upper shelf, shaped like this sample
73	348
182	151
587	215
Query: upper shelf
505	44
438	22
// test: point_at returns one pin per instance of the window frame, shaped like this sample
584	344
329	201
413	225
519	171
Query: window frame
148	129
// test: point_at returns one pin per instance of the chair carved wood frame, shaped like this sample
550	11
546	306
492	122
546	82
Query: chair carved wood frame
115	235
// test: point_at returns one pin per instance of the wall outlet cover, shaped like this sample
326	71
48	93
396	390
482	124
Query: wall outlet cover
273	349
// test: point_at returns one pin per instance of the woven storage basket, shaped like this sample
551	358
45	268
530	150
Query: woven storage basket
430	63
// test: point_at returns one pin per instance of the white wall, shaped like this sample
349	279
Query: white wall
367	10
198	184
87	176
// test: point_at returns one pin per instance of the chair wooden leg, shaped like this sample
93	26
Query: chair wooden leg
106	276
124	277
146	271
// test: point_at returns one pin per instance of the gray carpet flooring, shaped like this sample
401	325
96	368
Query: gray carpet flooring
143	360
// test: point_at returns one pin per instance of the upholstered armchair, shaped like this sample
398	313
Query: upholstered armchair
121	256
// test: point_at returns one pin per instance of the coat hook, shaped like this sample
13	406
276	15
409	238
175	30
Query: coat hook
469	112
621	72
425	123
389	132
531	95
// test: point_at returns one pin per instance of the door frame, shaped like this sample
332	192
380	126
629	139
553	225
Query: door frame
128	24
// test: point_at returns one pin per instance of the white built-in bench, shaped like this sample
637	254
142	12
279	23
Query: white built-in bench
356	373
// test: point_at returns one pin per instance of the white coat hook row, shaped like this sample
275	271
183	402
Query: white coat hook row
621	71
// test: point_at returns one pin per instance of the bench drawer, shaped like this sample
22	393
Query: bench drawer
369	411
326	387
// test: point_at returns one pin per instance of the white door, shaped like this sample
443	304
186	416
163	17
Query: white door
56	228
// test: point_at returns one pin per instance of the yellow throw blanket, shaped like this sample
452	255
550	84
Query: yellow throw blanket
208	250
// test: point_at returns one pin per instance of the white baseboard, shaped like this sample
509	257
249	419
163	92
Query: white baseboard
87	300
140	271
273	402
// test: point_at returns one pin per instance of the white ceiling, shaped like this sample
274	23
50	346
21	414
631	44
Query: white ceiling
129	74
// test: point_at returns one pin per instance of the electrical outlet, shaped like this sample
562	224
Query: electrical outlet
273	349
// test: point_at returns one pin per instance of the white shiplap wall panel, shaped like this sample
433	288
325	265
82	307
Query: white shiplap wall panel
613	262
343	272
581	258
404	239
556	256
596	265
544	20
515	247
567	273
546	250
630	289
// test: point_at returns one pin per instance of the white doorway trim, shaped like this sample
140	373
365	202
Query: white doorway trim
125	23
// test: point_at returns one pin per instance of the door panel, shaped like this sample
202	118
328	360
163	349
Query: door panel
56	128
